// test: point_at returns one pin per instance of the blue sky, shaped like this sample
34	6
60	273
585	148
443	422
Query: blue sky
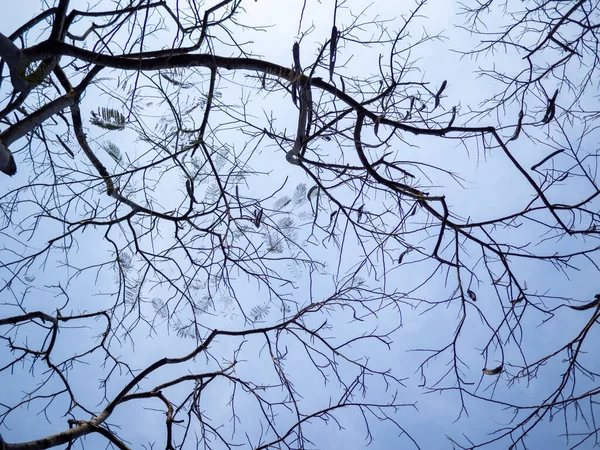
491	187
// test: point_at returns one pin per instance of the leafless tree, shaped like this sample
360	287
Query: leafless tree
271	224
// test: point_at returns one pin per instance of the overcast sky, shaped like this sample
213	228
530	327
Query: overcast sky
492	187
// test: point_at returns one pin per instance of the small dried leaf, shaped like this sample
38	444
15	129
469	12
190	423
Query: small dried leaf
403	254
439	94
333	50
453	117
471	295
409	112
189	187
551	109
494	371
332	216
258	214
377	122
519	126
296	72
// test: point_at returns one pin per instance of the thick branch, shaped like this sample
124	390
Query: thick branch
17	64
51	48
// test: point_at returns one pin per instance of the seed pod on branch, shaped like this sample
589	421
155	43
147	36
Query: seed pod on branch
494	371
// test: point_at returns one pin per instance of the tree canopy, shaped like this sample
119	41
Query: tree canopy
263	224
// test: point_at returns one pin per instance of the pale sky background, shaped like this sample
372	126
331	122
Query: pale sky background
492	185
